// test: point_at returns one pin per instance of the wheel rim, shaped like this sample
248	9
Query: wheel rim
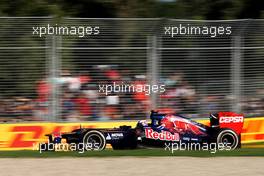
229	139
94	140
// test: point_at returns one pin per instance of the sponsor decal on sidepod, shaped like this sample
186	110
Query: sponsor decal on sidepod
163	135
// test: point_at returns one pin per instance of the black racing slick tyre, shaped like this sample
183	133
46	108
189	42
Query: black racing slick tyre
229	138
94	140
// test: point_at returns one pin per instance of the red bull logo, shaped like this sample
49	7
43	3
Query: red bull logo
163	135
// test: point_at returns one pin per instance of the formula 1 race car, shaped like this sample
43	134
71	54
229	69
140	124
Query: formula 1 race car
225	127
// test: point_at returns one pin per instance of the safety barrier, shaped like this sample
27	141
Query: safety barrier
22	136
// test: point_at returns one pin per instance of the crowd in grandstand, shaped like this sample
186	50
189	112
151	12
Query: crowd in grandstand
81	100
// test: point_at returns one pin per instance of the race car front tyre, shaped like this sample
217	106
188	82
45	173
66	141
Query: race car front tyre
229	138
94	140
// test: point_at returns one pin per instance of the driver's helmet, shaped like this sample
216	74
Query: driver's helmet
214	115
144	123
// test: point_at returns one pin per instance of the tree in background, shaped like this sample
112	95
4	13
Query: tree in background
187	9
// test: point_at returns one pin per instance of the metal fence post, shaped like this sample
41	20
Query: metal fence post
53	79
236	73
153	61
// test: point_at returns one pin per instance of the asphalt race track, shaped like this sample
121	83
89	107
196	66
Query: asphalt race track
133	166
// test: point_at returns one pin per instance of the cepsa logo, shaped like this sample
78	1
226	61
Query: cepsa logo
234	119
163	135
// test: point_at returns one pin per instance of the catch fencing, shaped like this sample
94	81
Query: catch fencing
78	69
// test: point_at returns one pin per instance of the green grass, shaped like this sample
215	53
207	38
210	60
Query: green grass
138	153
253	149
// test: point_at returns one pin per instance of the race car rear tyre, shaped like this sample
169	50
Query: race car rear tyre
94	140
228	137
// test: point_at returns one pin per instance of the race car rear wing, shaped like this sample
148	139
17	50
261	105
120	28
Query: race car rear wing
229	120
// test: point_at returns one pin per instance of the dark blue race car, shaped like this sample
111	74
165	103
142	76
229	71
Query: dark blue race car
224	127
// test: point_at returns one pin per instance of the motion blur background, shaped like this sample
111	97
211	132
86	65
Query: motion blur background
56	78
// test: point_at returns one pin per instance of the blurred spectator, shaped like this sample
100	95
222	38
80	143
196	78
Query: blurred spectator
141	98
210	104
83	106
67	105
43	90
81	99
